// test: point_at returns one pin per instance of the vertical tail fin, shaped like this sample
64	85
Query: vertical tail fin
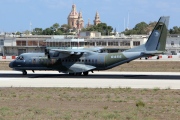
157	39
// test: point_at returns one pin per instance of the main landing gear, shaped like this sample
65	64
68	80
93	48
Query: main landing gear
85	73
24	72
79	74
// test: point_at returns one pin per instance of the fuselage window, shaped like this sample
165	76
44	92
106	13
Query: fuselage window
85	60
79	60
82	60
89	60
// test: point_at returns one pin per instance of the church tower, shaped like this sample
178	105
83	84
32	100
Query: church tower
73	17
80	22
97	19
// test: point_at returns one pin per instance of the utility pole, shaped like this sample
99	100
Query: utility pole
3	42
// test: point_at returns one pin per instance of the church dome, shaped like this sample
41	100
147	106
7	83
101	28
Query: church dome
73	13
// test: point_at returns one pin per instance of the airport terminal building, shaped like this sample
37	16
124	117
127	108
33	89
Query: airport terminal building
16	45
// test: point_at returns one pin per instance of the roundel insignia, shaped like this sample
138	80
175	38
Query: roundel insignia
156	33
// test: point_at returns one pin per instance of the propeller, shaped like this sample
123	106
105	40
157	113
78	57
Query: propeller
46	51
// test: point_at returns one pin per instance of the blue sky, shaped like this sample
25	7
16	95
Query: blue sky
16	15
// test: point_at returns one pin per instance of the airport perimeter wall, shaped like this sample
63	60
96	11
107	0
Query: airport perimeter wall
161	57
7	58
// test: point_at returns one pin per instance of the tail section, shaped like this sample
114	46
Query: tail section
156	42
157	39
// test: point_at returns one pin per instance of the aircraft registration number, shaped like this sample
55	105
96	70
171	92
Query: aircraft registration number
116	56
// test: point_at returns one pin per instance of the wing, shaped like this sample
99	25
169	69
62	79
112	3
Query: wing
71	51
94	49
77	51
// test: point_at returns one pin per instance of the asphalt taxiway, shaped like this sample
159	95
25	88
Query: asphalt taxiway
103	79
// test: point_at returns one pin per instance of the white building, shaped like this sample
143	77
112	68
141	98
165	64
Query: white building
18	45
173	44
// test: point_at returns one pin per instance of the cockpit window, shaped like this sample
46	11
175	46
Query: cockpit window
20	58
17	58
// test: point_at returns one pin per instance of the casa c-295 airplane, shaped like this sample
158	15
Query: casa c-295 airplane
82	61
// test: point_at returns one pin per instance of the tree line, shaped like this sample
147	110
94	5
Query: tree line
56	29
141	28
101	27
144	28
175	30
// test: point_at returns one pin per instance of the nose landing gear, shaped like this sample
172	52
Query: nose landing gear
24	72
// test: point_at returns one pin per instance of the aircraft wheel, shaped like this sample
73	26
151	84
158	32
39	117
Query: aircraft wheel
85	73
24	72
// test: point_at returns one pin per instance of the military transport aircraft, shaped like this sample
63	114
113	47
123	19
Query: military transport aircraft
78	61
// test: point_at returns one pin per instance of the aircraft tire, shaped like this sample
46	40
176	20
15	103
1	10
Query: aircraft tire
24	72
77	74
85	73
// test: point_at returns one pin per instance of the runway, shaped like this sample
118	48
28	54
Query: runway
149	80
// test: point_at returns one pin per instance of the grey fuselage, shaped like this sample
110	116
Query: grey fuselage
85	60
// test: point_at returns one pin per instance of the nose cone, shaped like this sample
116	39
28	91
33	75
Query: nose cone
11	64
